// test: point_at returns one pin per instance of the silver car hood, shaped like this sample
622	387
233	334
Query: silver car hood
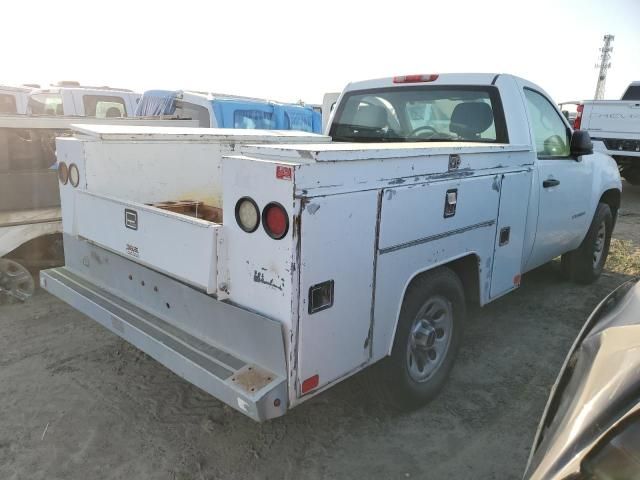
597	387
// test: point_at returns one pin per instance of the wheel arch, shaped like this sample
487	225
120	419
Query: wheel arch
466	267
12	238
612	197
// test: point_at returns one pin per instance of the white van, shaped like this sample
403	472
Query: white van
73	99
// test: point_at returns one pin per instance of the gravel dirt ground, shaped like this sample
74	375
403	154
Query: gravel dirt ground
78	403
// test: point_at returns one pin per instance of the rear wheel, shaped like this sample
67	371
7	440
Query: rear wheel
427	339
585	264
16	283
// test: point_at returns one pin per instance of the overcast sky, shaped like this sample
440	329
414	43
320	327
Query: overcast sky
290	50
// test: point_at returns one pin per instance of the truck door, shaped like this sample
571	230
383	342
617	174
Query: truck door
564	183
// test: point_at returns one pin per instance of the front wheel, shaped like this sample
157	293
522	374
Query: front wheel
585	264
427	339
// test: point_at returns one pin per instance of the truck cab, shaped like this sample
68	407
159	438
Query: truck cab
73	99
214	110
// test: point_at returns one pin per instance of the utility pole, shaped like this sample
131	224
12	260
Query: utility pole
604	65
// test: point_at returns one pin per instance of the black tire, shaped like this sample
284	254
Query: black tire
394	379
631	175
585	264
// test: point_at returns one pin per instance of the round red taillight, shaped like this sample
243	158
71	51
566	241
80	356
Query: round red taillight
275	220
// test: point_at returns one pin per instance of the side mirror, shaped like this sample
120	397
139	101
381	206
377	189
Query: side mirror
581	143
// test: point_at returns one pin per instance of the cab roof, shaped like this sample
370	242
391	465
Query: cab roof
426	79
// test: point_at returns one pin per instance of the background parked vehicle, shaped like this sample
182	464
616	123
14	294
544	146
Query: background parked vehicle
30	218
213	110
329	101
72	99
590	428
301	249
569	110
614	126
14	100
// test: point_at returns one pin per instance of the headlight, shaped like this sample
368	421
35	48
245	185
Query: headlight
247	214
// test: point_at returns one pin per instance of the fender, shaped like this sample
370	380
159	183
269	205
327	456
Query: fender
483	293
13	237
606	176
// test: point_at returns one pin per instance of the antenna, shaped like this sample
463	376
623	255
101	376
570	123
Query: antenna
604	65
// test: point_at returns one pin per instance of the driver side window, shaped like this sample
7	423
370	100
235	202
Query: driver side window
550	133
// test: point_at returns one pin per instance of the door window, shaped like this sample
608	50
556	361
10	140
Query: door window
46	104
550	133
104	106
253	119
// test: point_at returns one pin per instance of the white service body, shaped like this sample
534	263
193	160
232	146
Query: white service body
364	220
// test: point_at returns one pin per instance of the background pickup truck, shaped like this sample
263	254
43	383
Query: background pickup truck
265	274
614	126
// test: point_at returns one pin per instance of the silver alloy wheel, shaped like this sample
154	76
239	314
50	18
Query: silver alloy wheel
15	280
429	338
599	246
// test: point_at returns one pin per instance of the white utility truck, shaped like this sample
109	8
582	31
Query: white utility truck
614	126
308	263
30	219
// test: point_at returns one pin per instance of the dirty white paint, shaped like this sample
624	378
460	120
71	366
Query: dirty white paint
367	217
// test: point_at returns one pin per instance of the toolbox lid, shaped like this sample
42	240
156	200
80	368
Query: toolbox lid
188	134
335	152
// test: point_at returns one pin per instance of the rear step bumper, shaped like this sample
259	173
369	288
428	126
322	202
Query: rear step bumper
250	388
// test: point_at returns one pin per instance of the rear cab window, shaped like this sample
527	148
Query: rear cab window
632	93
104	106
421	114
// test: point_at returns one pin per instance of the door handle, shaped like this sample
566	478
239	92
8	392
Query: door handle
550	182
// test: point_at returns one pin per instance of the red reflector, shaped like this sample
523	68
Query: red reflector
310	383
578	121
415	78
283	173
275	220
